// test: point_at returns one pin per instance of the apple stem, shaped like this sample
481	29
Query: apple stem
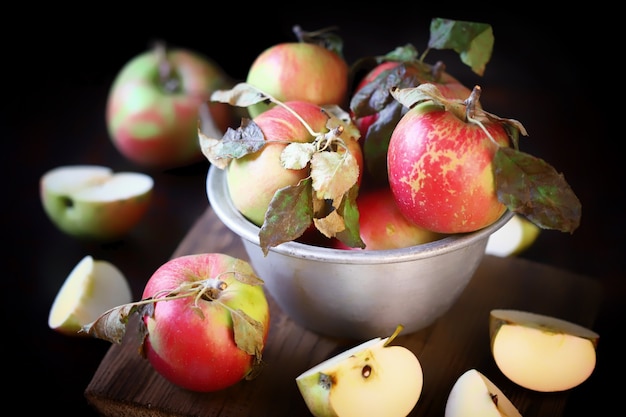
470	111
169	82
396	332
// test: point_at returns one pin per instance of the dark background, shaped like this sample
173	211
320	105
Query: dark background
59	64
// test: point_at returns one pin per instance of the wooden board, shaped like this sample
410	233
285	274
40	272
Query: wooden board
126	385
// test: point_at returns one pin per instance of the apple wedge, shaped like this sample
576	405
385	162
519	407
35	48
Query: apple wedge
474	395
93	202
517	235
372	378
91	288
540	352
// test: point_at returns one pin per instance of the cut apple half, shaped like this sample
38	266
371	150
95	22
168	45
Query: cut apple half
513	238
93	202
540	352
91	288
372	378
474	395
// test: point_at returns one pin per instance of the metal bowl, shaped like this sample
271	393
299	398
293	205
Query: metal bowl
357	294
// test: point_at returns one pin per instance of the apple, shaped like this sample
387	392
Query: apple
370	379
440	165
154	104
304	70
91	288
517	235
541	352
92	202
253	179
474	395
210	321
382	226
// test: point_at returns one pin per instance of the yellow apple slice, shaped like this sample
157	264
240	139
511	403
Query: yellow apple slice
474	395
517	235
93	202
91	288
372	378
540	352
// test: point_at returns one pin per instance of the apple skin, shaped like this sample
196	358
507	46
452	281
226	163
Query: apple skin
449	86
299	71
440	170
254	178
198	351
157	128
382	226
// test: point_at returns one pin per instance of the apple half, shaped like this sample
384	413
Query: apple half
474	395
93	202
372	378
540	352
91	288
513	238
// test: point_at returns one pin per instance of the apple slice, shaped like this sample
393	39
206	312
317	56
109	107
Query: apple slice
517	235
372	378
91	288
473	394
93	202
540	352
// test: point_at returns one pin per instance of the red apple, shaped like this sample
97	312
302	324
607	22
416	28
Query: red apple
153	106
383	226
254	178
210	321
300	71
441	170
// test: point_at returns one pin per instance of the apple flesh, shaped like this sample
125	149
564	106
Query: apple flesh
253	179
440	169
214	337
474	395
540	352
299	71
152	116
372	378
93	202
91	288
382	226
517	235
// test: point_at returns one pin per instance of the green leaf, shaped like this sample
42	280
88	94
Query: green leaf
530	186
288	215
473	41
348	209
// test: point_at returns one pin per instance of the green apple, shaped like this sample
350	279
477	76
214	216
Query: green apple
300	71
517	235
372	378
540	352
92	202
474	395
155	102
91	288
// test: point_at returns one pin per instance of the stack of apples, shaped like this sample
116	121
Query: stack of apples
406	156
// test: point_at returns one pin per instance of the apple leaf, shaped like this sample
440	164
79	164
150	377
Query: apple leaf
471	40
289	214
111	325
376	141
248	333
297	155
323	37
350	235
241	95
235	143
333	174
530	186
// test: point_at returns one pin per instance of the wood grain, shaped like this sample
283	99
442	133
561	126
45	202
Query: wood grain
126	385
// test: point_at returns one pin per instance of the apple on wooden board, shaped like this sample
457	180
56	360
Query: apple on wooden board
155	103
517	235
93	202
373	378
295	166
383	226
205	320
474	395
92	287
541	352
310	69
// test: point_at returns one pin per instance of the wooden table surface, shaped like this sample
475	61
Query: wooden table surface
125	384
